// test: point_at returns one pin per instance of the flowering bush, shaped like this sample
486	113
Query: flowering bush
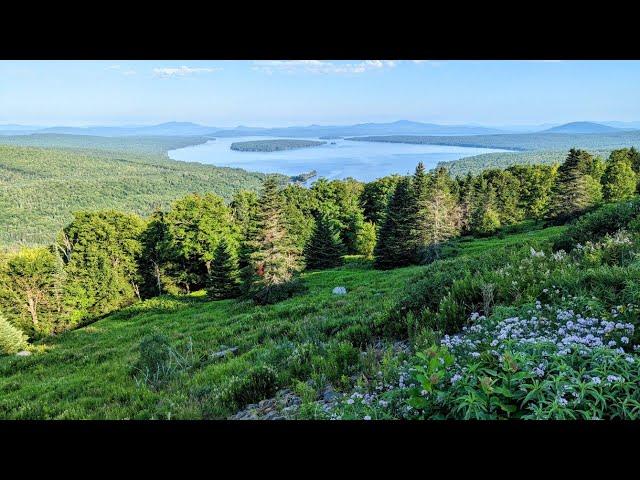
571	360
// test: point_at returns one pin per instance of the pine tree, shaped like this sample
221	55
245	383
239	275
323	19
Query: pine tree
571	193
274	259
619	180
324	249
394	248
224	280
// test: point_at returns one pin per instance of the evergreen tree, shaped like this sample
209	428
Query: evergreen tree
485	219
224	279
440	218
536	183
244	208
466	196
394	248
619	180
274	259
156	260
324	249
571	193
375	198
419	216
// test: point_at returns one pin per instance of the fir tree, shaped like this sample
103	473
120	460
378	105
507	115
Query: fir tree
324	249
394	248
571	193
223	280
419	220
274	259
440	220
485	219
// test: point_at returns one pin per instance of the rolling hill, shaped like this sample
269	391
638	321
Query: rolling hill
582	127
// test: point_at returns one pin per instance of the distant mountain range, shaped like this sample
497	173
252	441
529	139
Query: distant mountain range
401	127
582	127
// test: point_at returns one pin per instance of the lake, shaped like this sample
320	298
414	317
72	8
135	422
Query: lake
363	161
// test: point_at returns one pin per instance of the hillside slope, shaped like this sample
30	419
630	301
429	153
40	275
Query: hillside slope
41	187
313	340
86	373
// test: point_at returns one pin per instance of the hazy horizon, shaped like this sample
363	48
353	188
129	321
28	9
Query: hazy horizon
281	93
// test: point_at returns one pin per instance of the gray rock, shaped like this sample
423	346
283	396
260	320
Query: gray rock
23	353
224	353
340	291
329	395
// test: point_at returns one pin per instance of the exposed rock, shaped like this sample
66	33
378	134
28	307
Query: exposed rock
23	353
340	291
224	353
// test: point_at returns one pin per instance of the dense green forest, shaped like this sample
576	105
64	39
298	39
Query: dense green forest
140	145
520	141
511	293
273	145
41	187
477	163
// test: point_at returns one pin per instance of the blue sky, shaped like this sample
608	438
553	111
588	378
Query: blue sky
281	93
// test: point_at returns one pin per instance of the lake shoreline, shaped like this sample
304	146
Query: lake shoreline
339	159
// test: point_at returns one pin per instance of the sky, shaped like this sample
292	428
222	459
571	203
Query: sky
303	92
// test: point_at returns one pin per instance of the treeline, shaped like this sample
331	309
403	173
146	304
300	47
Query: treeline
254	246
477	163
519	141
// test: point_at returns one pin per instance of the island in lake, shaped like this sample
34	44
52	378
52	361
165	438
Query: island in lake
303	177
273	145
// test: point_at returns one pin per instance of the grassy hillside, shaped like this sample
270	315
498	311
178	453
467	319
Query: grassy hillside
87	373
310	341
41	187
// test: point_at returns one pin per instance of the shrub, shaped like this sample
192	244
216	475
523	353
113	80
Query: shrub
260	383
592	226
12	340
159	362
279	292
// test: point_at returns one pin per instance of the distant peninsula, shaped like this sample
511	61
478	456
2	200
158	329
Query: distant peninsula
273	145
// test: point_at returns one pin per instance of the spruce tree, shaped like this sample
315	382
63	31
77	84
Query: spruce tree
394	248
619	180
440	220
223	281
324	249
485	219
571	195
419	221
273	259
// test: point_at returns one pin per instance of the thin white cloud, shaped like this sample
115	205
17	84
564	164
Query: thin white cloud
183	71
432	63
320	66
118	68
